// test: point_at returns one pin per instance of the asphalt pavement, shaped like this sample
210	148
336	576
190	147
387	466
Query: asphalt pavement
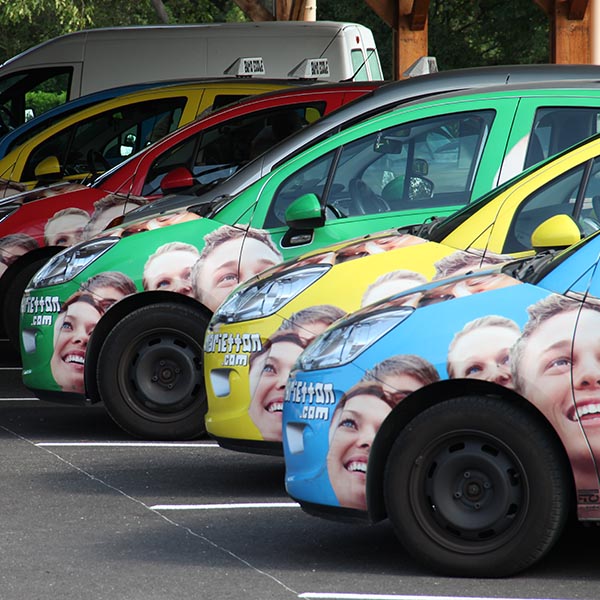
91	513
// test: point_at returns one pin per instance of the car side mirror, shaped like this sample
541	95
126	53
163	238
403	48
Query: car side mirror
305	212
177	179
559	231
48	169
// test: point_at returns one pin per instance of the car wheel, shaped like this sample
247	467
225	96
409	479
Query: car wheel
150	372
11	308
477	487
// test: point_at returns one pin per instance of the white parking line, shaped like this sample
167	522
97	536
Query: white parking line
134	444
341	596
225	506
19	399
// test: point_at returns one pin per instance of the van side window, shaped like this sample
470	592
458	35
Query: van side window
373	62
218	151
108	138
555	129
24	96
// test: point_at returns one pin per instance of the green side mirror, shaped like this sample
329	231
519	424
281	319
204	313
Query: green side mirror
559	231
305	212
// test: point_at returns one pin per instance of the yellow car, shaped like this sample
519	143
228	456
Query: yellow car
257	334
95	139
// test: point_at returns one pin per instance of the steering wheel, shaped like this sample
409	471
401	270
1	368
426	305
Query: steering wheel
366	201
95	158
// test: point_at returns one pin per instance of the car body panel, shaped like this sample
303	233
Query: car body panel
376	266
488	118
307	478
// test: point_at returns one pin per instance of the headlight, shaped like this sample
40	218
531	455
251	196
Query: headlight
345	342
71	261
265	297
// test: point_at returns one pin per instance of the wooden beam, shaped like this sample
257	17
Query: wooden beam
571	43
386	10
577	9
418	15
254	10
410	43
283	9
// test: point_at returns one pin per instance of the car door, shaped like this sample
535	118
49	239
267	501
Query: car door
397	169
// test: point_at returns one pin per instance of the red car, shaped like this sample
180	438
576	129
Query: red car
35	225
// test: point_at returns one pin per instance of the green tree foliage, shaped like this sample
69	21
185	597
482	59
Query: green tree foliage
469	33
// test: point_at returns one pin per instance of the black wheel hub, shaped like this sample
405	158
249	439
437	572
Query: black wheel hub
164	373
473	488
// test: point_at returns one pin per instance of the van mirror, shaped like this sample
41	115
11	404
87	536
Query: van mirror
385	144
559	231
48	168
305	212
177	179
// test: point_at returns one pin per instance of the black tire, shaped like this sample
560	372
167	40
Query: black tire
150	372
11	308
476	487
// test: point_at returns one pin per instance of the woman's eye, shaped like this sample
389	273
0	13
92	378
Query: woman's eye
163	283
268	368
348	423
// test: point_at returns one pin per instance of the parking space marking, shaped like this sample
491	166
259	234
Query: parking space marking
225	506
341	596
19	399
133	444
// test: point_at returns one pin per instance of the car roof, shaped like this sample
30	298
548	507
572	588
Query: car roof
383	98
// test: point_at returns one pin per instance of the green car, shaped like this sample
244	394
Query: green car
120	319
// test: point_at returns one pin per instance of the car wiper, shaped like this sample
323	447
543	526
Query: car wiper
209	209
424	229
527	268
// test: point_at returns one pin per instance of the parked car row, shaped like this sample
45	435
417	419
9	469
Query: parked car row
259	289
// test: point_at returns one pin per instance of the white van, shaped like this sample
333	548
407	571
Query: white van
96	59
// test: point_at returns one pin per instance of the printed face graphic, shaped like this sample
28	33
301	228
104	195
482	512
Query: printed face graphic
171	272
65	230
224	269
484	353
400	384
552	361
268	376
8	255
384	289
73	333
359	421
107	215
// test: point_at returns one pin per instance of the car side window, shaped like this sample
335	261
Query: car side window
422	164
562	196
217	152
310	179
109	137
555	129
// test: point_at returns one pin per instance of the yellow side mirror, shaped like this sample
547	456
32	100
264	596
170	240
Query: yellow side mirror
559	231
47	167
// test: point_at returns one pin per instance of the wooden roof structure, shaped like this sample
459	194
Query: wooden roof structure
570	26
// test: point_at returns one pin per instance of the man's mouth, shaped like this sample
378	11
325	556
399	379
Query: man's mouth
585	412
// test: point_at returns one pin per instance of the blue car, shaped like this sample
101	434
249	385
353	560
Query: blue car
467	411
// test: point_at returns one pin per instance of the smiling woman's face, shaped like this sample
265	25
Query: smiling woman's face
74	330
358	423
268	380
